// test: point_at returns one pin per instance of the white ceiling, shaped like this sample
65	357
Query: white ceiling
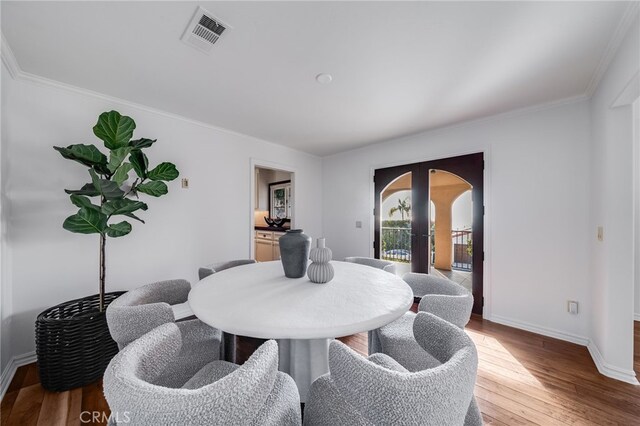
398	67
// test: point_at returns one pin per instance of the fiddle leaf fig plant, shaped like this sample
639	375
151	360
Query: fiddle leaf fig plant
109	175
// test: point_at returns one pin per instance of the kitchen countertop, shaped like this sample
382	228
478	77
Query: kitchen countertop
271	228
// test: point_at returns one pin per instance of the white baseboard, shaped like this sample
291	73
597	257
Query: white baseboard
606	369
12	367
549	332
636	317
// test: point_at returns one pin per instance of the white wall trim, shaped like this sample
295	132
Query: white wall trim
9	59
12	367
18	74
478	121
606	369
545	331
630	92
612	47
636	317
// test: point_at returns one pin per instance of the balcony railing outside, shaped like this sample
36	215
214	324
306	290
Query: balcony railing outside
462	250
396	246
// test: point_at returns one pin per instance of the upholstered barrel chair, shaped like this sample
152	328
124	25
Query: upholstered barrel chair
141	310
220	393
211	269
379	391
441	297
374	263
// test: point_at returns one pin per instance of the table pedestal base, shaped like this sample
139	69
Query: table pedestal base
305	360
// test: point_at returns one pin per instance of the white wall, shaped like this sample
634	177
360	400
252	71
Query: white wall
5	289
612	207
535	197
184	229
636	227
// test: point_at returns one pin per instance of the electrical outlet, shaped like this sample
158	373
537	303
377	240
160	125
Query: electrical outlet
600	233
358	224
572	307
185	183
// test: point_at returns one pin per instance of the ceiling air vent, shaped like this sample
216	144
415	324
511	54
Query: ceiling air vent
204	30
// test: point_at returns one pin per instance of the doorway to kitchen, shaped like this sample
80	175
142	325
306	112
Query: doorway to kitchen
429	218
272	210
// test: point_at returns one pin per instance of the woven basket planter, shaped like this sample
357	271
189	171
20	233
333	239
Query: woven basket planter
73	343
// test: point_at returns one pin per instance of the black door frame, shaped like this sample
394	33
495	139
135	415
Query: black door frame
470	168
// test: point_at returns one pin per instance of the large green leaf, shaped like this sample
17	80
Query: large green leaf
139	162
142	143
114	129
82	201
117	157
122	174
122	206
119	229
109	189
102	169
87	189
86	221
163	171
87	155
133	216
155	188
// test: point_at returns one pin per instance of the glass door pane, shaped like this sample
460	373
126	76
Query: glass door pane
395	222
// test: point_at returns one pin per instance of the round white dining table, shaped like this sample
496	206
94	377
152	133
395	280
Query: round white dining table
257	300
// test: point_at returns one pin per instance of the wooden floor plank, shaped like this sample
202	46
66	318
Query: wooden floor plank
26	408
562	407
523	408
501	414
7	404
55	409
31	377
93	402
488	420
18	378
74	407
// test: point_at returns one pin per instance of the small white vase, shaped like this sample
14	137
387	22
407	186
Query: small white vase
320	271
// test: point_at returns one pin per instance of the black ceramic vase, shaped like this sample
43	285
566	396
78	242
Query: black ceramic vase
294	253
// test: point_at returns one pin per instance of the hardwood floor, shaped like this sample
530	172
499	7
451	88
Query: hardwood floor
523	379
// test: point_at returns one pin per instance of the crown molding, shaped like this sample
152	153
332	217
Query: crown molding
9	59
473	122
18	74
629	15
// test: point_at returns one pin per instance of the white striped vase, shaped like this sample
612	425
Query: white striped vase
320	271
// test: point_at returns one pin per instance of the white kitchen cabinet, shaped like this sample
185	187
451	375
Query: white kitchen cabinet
267	245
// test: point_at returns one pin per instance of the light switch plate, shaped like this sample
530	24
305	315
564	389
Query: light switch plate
185	183
358	224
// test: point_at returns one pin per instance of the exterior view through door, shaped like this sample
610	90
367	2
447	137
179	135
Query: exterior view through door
429	218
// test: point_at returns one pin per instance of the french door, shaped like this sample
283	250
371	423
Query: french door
415	218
